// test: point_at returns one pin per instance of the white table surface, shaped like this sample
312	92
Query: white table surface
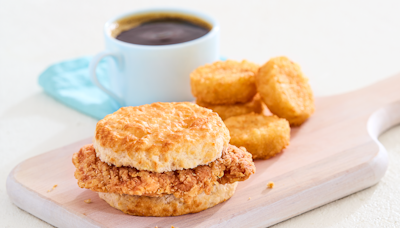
341	45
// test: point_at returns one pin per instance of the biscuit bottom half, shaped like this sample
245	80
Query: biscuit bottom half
168	205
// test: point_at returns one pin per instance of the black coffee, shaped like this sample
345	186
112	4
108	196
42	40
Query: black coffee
163	32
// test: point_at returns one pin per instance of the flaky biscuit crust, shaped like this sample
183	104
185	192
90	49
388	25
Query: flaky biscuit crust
168	205
224	82
226	111
234	165
263	136
285	90
161	137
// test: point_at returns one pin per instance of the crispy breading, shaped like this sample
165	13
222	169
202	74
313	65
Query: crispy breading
263	136
161	137
226	111
234	165
224	82
285	90
271	184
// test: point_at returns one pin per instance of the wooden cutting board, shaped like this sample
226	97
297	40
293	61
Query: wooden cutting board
334	154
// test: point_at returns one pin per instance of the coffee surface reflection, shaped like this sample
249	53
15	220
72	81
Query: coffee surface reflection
163	32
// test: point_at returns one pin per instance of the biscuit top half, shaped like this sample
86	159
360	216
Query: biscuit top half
161	137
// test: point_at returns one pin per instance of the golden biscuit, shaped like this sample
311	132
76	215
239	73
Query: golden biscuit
262	136
285	90
226	111
224	82
161	137
168	205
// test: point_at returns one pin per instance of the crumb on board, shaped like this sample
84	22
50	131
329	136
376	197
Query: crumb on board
88	201
271	184
55	186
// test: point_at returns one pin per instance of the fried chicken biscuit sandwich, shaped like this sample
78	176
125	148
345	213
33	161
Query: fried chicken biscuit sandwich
162	159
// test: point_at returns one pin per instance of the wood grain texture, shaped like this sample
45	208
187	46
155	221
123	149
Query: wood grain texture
335	153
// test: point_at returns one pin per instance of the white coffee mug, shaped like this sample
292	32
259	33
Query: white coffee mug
143	74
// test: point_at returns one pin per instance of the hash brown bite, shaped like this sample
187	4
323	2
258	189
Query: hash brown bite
226	111
262	136
161	137
224	82
285	90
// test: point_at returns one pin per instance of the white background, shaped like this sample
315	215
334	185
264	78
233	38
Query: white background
341	46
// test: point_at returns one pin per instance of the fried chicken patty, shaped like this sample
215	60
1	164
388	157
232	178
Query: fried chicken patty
234	165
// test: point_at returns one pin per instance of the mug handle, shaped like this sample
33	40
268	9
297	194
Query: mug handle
92	71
